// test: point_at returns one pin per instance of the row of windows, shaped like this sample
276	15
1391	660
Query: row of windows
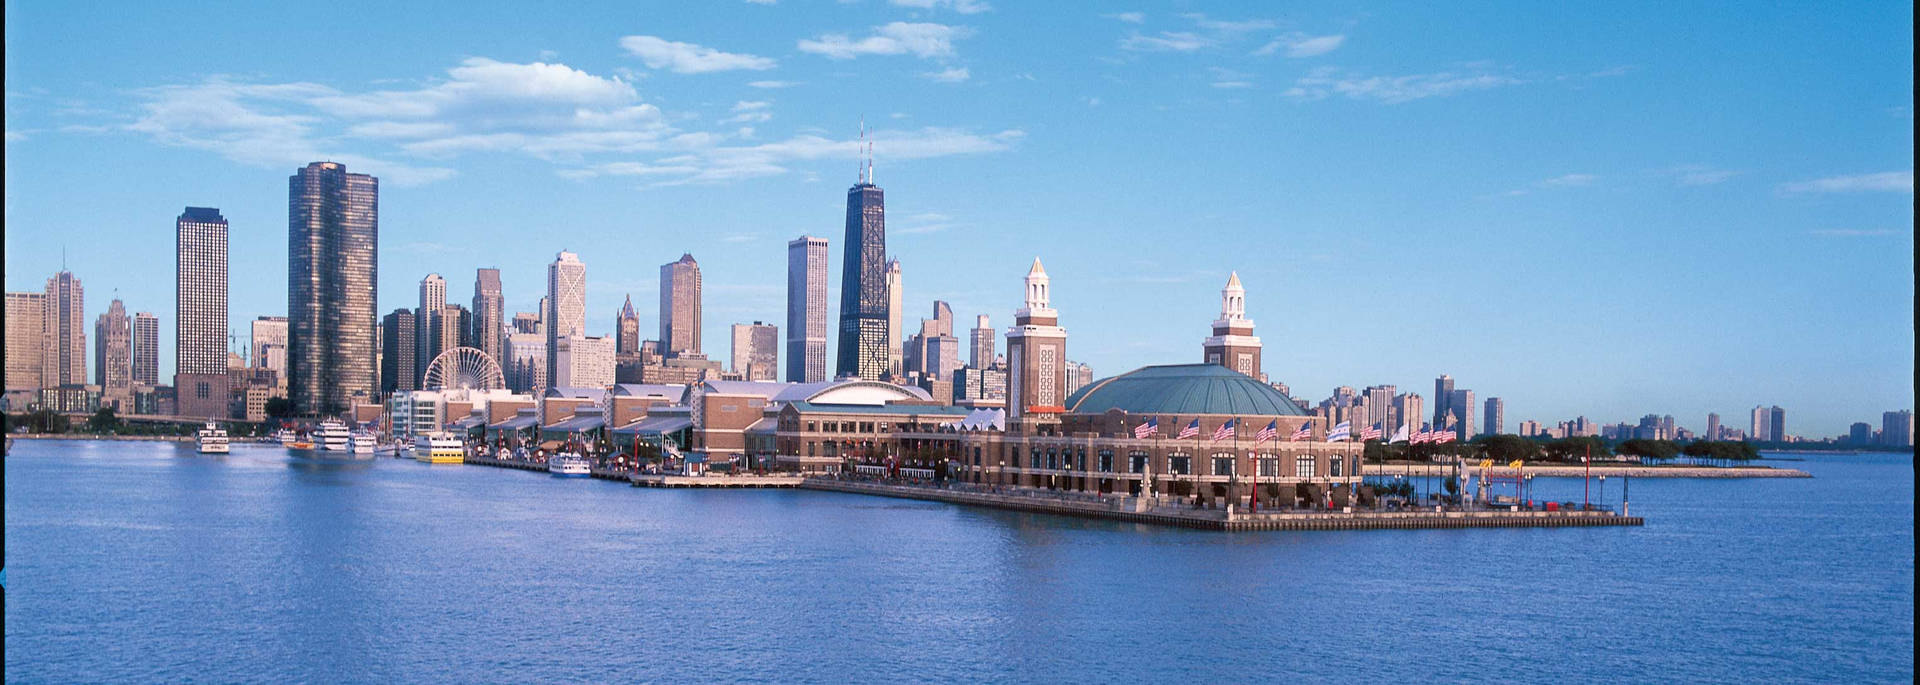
1182	464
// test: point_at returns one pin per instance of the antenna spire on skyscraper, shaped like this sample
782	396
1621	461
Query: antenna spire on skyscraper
858	163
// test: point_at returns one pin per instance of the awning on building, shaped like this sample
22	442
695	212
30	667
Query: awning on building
579	423
765	426
468	423
520	422
656	425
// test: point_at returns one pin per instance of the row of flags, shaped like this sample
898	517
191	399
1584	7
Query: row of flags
1340	432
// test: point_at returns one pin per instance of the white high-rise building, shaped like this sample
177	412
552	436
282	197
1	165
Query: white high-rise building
807	310
894	334
566	305
433	299
583	362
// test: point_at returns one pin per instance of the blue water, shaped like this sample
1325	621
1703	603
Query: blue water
146	562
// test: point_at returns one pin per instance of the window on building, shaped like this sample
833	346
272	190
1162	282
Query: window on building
1106	461
1053	459
1033	461
866	426
1333	464
1180	464
1303	467
1269	466
1223	464
810	427
1136	462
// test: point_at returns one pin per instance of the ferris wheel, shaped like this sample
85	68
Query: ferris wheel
464	368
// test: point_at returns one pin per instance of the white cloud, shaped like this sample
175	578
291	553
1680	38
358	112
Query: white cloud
1167	41
922	40
1883	182
1326	82
1700	175
950	75
687	58
961	6
1569	181
1219	26
1300	45
1129	17
718	163
773	84
749	112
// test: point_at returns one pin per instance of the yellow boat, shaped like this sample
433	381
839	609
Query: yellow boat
439	448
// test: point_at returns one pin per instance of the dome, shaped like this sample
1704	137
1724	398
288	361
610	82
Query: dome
1183	389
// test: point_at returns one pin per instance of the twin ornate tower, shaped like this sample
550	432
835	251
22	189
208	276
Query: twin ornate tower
1233	343
1036	353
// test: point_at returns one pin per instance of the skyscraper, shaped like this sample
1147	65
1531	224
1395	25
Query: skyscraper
26	340
1760	425
113	356
626	330
1896	428
1036	352
863	286
1713	426
1777	424
1381	409
1495	416
680	307
426	325
1409	409
564	312
1860	433
1233	344
200	313
1442	393
896	332
1460	414
398	352
269	346
756	351
64	356
333	240
488	331
807	310
980	349
146	348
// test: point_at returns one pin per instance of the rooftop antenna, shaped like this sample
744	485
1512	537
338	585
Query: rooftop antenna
870	162
862	174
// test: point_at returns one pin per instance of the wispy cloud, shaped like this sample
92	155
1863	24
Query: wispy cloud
961	6
1883	182
716	161
1699	175
1298	45
1326	82
1219	26
1568	181
950	75
1854	232
1129	17
1166	41
687	58
773	84
924	40
746	111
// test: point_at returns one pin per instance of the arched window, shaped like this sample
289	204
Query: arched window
1106	461
1180	463
1137	462
1223	463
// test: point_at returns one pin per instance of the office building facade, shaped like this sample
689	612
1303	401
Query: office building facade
333	240
756	351
680	307
564	311
807	310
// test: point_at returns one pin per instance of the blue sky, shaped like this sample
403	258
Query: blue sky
1669	209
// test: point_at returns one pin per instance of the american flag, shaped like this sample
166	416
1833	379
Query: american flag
1341	431
1265	434
1370	432
1151	427
1224	431
1306	431
1423	435
1191	430
1443	436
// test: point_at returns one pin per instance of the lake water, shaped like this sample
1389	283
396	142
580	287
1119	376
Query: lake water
147	562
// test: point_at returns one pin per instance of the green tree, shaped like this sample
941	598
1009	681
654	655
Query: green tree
1504	449
104	420
1650	450
1576	448
279	407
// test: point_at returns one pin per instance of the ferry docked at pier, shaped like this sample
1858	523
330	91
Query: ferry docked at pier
333	436
212	439
439	448
362	443
569	465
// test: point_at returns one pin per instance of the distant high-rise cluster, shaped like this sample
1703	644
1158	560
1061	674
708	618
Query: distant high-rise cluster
333	237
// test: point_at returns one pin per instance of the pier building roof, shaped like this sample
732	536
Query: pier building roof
1183	389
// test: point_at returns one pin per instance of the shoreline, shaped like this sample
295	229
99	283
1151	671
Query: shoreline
1575	471
116	438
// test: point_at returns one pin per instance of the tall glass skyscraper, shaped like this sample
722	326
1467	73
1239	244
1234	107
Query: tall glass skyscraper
680	307
807	310
489	315
863	286
64	355
333	238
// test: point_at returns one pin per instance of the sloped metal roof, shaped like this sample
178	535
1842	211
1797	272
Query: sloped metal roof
1183	389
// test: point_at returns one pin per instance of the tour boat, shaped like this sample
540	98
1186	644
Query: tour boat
362	442
439	448
212	439
568	465
333	436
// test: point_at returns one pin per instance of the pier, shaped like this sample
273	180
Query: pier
660	480
1118	509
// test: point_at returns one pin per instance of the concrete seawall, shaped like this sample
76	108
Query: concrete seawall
1563	471
1219	520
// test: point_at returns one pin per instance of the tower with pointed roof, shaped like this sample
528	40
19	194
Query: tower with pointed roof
1233	344
626	327
1036	352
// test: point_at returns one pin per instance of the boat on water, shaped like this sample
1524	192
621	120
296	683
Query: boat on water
333	436
439	448
212	439
362	442
569	465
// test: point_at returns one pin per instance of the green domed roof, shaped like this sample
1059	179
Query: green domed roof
1183	389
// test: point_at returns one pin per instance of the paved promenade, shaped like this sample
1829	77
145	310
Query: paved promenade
1611	471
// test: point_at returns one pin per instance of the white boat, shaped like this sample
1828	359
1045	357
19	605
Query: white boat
212	439
362	442
439	448
332	436
569	465
284	436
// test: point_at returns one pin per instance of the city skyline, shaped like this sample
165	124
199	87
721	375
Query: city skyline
1838	360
